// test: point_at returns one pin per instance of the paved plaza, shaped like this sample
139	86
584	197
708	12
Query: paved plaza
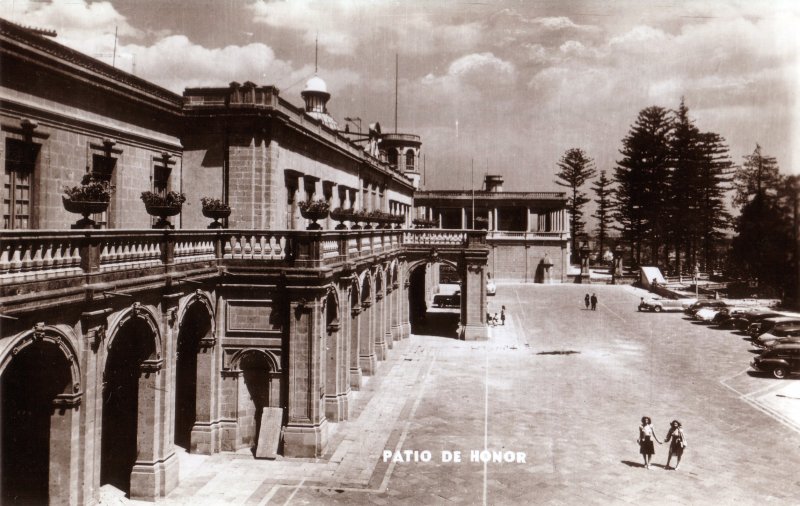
565	386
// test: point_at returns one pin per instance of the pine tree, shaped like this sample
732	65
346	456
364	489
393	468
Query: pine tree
759	250
602	190
682	182
641	195
712	183
575	169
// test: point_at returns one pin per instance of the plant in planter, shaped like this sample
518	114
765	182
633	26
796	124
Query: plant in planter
314	210
481	223
90	197
397	219
163	206
342	215
215	209
423	223
378	217
360	216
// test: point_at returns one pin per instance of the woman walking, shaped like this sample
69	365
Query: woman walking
646	437
586	301
677	440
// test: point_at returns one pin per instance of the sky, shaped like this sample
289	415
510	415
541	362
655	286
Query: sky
498	87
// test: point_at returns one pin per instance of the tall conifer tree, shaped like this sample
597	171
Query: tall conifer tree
575	169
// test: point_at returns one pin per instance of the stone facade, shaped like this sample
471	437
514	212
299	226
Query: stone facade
120	345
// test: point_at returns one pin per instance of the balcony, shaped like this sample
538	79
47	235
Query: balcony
33	262
503	235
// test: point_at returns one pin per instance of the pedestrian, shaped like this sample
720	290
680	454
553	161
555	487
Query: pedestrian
594	302
677	440
496	320
586	300
503	315
646	437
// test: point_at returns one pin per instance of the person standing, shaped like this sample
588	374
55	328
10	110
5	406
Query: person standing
677	440
503	315
646	437
594	302
586	301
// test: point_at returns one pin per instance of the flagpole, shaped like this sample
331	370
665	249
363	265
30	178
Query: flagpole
472	184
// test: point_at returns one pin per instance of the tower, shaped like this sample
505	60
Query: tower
316	97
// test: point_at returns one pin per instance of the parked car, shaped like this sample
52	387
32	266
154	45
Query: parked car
772	325
728	317
452	300
769	340
781	332
706	314
744	320
700	304
657	304
780	360
491	288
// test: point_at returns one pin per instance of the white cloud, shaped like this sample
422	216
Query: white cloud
560	23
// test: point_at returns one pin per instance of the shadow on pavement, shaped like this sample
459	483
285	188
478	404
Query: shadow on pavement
437	323
632	464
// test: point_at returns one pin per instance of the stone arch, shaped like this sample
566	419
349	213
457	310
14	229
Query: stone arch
236	359
200	297
59	335
416	263
130	397
40	397
331	309
194	374
366	287
257	376
141	312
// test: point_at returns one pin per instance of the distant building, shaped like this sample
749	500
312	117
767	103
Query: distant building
527	231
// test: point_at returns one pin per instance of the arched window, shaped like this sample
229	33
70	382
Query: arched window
410	165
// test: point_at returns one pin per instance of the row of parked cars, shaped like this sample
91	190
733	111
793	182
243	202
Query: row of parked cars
775	333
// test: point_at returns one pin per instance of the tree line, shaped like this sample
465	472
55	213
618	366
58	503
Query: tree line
667	198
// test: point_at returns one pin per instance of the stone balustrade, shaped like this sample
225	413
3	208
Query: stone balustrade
42	255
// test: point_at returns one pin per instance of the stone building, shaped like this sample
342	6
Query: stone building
123	346
528	232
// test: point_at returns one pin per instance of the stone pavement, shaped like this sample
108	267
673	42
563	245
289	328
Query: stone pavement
565	386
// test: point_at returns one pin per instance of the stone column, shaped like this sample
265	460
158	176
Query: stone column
380	327
355	347
306	430
155	472
335	395
64	482
496	224
204	432
387	321
366	354
473	295
464	218
397	331
229	405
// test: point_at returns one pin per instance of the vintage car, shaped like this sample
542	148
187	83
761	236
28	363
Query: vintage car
706	314
452	300
772	325
780	360
768	340
742	321
700	304
657	304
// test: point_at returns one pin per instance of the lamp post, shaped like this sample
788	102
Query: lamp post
583	252
355	121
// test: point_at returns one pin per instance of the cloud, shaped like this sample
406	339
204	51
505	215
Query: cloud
559	23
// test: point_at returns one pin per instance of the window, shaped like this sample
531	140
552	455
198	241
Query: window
17	181
161	180
393	158
103	170
410	161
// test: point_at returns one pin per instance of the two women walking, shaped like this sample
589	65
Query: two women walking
675	437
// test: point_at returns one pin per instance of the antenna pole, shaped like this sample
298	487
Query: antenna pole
396	70
114	56
316	54
472	184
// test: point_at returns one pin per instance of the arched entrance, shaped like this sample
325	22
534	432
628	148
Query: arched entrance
29	387
191	382
434	314
133	343
253	394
